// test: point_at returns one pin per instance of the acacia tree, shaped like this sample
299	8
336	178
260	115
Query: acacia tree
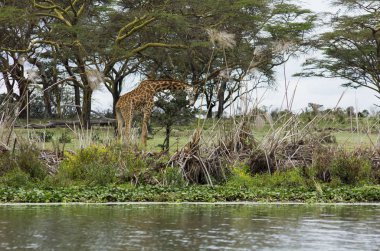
254	29
94	46
119	56
173	109
17	25
351	51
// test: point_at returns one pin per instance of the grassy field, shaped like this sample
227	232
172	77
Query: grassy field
74	139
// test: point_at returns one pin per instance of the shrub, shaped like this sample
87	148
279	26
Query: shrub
95	165
172	176
321	162
136	170
15	178
65	138
27	159
351	168
290	178
241	177
45	136
6	163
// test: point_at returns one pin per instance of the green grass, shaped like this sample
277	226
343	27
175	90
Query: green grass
179	137
351	140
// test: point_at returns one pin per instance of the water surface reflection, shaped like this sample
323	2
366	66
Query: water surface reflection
190	227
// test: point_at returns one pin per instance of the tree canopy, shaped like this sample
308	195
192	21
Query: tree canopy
79	45
351	48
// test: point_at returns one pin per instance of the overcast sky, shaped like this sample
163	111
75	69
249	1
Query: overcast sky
326	92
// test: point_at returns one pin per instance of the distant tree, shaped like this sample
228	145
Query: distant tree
172	109
363	114
350	111
351	50
315	108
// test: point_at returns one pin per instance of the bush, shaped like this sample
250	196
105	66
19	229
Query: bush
321	163
27	159
291	178
95	165
172	176
45	136
240	177
351	168
64	138
15	178
136	170
6	163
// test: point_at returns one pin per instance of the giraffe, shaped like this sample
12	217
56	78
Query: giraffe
142	98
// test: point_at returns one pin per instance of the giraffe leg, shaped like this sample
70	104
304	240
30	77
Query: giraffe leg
144	129
127	115
119	118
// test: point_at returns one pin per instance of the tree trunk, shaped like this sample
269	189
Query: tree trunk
47	100
8	84
166	144
221	99
58	100
86	107
210	106
24	98
115	95
77	100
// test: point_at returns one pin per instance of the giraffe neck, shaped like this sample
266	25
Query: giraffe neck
160	85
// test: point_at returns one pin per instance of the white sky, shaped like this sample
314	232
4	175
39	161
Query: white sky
326	92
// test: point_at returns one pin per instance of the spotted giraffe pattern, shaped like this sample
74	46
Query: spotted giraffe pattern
142	99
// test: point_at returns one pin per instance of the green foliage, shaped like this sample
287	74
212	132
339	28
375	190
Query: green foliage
348	46
46	136
134	169
240	178
286	179
6	163
187	194
95	165
24	164
27	159
321	163
351	169
15	178
173	110
172	176
64	138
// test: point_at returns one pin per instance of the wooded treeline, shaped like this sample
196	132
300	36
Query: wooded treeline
61	51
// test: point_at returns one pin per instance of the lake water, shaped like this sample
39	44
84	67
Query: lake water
190	227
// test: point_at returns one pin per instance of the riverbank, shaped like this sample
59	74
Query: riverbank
106	194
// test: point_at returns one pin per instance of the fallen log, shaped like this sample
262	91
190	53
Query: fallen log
73	123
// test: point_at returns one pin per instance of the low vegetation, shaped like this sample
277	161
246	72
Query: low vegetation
291	161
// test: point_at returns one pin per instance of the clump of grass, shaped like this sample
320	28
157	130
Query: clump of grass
28	160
